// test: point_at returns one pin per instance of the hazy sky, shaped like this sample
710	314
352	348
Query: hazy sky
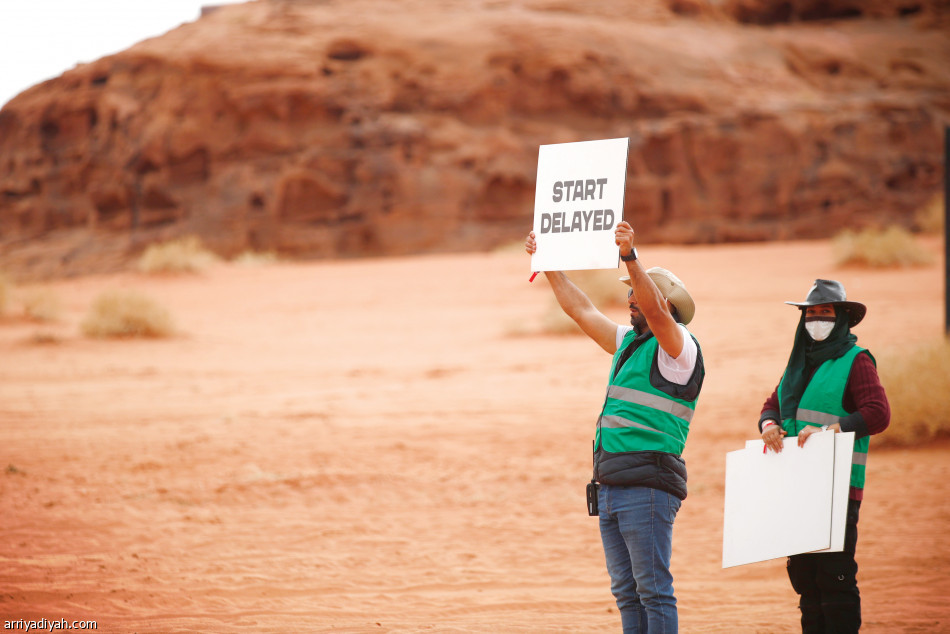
40	39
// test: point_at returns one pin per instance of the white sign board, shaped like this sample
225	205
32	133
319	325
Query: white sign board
780	504
578	202
844	450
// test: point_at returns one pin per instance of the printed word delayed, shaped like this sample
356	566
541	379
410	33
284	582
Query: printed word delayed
592	220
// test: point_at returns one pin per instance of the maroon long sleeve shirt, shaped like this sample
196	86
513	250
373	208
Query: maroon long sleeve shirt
864	399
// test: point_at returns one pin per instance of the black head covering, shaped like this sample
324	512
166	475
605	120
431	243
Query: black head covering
808	354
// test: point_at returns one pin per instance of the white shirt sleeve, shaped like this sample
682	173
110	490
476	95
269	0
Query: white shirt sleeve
621	333
676	370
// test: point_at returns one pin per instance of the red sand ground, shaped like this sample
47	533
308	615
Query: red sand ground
389	446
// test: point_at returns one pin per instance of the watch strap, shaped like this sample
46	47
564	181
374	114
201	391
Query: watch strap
630	257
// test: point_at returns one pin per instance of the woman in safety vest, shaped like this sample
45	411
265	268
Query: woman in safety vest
829	384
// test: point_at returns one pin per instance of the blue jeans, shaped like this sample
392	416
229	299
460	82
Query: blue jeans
636	526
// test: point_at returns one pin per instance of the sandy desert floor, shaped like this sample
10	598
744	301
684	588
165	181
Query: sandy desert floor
391	445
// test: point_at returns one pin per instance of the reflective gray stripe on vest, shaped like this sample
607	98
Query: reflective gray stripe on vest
618	422
859	457
650	400
819	418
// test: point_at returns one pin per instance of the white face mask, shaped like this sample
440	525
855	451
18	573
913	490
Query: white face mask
819	330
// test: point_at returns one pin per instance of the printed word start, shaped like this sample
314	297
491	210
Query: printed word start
587	189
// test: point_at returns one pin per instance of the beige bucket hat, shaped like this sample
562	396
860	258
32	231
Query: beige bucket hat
673	289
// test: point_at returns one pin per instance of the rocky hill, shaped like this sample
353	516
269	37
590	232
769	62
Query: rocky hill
331	128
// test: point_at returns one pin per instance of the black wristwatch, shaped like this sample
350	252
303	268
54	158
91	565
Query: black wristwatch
630	257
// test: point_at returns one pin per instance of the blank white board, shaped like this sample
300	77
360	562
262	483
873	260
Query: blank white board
844	451
779	504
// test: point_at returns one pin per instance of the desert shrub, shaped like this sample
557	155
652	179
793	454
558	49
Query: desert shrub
42	305
876	248
255	258
603	289
555	322
915	379
127	314
185	255
44	338
930	218
602	286
512	246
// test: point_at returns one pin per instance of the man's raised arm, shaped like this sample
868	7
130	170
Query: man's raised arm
650	302
578	306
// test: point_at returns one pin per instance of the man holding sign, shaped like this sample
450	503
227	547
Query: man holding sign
578	201
639	475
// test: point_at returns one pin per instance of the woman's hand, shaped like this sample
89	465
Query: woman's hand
811	429
772	436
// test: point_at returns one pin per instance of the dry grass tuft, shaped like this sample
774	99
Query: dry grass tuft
930	218
603	289
555	322
256	258
512	246
127	314
44	338
185	255
916	383
875	248
42	305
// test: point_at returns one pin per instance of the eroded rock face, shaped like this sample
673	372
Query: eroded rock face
783	11
334	129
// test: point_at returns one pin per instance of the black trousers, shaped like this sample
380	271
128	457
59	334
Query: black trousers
827	584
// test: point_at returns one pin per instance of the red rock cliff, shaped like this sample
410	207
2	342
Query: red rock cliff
327	128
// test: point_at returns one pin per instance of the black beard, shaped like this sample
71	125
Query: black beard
639	324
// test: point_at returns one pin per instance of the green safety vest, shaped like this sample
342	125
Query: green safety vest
637	416
821	405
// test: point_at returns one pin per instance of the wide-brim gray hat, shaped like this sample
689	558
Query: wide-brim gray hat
673	289
832	292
